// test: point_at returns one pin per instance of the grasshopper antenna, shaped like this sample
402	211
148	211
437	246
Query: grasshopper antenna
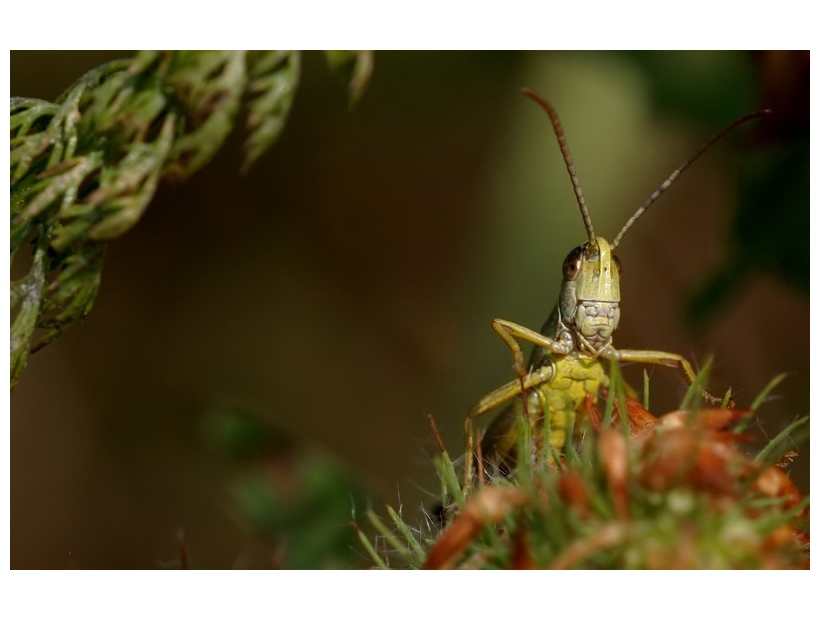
701	149
562	143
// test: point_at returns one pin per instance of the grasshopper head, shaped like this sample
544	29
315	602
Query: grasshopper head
590	294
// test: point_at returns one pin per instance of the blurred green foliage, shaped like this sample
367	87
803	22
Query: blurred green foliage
298	499
770	229
766	235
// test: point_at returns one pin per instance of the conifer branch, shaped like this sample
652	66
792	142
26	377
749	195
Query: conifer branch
84	168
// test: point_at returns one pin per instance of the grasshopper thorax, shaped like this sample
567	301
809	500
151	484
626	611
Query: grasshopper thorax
590	294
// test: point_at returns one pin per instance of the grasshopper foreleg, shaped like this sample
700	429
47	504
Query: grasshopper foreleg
509	333
665	359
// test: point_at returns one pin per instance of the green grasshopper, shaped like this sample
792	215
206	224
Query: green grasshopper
565	364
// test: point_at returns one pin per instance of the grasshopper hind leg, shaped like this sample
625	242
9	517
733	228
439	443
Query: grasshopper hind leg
498	446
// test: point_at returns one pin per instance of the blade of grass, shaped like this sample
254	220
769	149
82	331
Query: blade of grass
692	398
389	536
763	455
447	474
369	548
408	535
645	390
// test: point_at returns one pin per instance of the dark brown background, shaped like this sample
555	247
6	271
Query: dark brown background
343	289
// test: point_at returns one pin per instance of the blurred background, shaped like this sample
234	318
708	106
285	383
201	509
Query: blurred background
265	349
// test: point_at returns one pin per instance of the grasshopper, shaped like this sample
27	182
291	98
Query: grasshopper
566	363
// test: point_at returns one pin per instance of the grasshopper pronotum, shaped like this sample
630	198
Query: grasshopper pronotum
565	364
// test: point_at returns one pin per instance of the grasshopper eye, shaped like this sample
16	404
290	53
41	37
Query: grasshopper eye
572	263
